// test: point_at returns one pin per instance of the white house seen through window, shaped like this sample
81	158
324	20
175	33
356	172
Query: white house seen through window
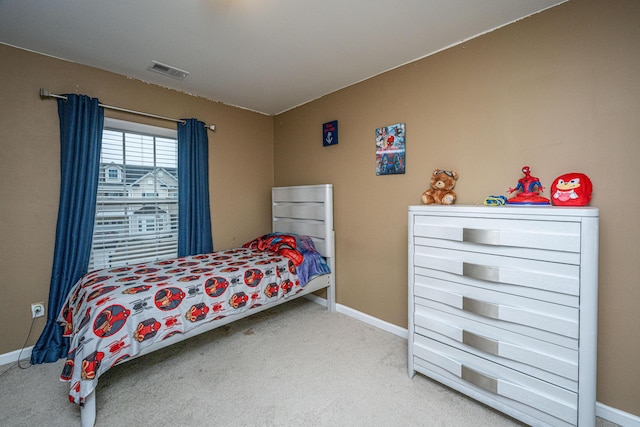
137	206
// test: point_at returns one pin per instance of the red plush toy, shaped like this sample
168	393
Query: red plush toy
571	189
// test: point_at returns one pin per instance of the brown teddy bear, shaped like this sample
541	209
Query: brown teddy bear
442	183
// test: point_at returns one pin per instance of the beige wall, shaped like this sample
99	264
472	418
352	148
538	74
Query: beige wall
559	91
30	170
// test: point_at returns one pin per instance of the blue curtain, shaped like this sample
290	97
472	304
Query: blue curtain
194	219
81	123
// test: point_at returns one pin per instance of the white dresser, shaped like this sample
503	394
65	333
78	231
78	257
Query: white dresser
503	307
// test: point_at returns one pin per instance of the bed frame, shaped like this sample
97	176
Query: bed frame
305	210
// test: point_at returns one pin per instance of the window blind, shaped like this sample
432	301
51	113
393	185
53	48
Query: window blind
137	204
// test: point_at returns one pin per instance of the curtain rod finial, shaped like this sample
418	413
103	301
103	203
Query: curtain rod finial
44	93
212	127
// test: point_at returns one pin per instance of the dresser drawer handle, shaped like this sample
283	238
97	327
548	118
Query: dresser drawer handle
482	272
482	308
483	381
479	342
484	237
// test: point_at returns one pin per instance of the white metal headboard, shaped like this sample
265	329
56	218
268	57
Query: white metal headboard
306	210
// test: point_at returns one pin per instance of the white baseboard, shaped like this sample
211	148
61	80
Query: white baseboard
13	356
617	416
373	321
623	419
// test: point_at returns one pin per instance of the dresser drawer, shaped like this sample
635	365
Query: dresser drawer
425	274
542	320
539	358
527	273
540	399
561	236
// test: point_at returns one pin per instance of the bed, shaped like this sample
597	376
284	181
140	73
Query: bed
116	314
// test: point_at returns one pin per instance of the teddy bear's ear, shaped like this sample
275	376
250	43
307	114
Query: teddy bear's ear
455	174
436	172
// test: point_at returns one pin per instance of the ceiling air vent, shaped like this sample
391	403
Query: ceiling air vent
167	70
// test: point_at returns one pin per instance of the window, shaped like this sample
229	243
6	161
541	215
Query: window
113	174
137	206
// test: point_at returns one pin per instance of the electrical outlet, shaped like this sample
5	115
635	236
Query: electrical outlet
37	309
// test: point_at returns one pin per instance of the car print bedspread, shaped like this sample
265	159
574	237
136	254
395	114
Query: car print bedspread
114	313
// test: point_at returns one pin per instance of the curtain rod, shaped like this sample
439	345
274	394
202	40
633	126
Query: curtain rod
46	94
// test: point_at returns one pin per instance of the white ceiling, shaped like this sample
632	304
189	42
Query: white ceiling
264	55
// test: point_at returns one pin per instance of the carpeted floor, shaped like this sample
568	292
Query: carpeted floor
294	365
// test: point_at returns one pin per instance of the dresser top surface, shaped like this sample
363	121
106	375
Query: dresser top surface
581	211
